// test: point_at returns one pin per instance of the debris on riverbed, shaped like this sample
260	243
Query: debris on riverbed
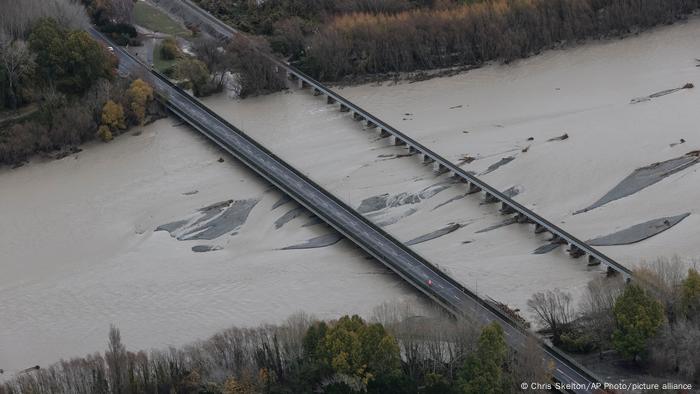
205	248
504	223
546	248
288	217
461	196
562	137
661	93
513	191
638	232
383	201
211	221
498	164
682	141
435	234
466	159
283	200
512	313
318	242
644	177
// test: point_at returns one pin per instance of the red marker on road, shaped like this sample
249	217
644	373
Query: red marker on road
430	282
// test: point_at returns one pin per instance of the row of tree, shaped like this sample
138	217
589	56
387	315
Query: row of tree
333	39
366	43
653	321
400	355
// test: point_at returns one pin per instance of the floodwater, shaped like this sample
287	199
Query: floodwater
79	250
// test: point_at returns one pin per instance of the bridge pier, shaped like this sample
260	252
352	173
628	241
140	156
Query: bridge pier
592	261
426	159
291	76
303	84
520	218
383	133
394	140
357	116
317	92
557	240
439	168
330	100
539	229
370	125
507	209
344	108
411	149
489	198
473	189
610	271
575	251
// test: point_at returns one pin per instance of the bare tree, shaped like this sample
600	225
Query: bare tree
529	364
554	310
597	309
676	350
662	278
122	11
116	359
17	17
211	52
17	62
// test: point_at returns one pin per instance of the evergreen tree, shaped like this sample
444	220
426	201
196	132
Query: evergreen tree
690	295
483	371
638	317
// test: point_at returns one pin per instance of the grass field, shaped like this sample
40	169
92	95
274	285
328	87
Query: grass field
154	19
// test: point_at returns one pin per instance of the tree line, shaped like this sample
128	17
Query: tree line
653	322
394	352
331	40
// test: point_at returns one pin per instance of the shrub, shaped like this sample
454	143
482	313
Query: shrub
113	116
169	49
104	133
139	95
18	142
577	341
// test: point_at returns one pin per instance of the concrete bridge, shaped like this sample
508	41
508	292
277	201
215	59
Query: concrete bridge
576	248
401	259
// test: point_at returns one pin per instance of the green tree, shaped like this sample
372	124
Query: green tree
169	49
483	371
638	317
359	350
690	294
71	60
195	72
